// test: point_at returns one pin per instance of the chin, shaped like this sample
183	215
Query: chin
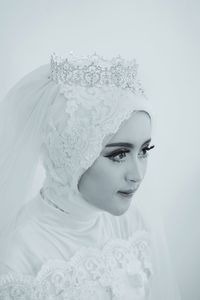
118	212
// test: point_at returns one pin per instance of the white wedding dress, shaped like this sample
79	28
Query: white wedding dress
52	255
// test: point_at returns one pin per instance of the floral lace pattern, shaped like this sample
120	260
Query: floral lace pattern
94	70
121	270
75	136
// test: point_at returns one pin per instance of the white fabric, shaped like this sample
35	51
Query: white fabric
50	249
97	257
22	117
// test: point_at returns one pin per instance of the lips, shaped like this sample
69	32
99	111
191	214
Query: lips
127	192
125	195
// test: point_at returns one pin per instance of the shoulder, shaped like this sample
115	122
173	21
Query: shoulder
18	244
16	250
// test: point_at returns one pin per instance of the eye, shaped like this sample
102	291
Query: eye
145	151
117	156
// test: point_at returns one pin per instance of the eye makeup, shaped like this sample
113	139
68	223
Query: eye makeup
121	151
117	152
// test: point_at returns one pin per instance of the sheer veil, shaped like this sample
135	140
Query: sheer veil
22	117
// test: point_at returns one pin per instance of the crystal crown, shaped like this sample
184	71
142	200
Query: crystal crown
95	71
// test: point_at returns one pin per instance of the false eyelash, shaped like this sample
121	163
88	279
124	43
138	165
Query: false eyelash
149	148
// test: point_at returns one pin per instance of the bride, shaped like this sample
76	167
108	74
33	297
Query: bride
82	236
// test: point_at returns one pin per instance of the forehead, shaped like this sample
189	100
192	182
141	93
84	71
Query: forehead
136	130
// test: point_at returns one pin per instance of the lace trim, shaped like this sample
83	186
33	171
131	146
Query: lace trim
86	273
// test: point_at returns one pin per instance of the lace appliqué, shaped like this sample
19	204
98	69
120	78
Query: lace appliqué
75	138
91	274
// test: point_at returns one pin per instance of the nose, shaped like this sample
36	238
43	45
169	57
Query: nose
135	171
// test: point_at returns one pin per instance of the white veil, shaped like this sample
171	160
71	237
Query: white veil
22	117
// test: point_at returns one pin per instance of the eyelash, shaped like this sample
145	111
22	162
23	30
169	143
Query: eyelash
124	151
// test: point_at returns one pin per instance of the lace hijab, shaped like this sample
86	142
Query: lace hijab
65	118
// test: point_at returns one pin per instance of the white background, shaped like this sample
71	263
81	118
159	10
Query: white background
164	38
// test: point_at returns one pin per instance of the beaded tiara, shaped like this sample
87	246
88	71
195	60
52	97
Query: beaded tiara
95	71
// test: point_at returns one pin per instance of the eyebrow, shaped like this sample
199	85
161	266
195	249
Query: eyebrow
128	145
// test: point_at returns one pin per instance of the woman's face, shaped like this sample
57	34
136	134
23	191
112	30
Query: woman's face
121	166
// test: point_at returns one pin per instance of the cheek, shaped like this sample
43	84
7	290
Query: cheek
101	174
100	177
144	166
